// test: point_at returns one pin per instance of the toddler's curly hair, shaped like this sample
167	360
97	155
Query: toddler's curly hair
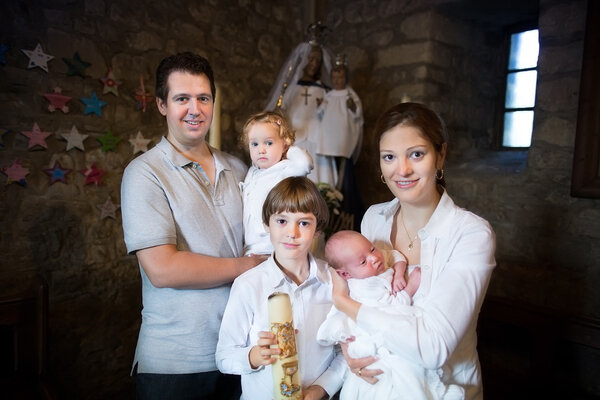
270	117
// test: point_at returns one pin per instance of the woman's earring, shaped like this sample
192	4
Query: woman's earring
383	179
439	174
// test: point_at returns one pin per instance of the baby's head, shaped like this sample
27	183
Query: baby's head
353	256
296	194
339	77
267	136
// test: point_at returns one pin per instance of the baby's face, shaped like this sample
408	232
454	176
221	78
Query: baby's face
265	146
360	259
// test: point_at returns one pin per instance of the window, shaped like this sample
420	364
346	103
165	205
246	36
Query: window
521	78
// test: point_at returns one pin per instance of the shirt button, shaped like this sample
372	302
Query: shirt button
426	267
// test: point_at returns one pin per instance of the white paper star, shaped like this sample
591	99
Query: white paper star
37	58
139	143
74	139
108	209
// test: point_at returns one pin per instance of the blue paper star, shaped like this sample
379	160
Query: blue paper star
3	49
57	173
93	105
76	65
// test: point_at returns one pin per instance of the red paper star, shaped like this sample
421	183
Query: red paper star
15	173
92	175
57	100
36	136
143	98
57	173
108	209
111	84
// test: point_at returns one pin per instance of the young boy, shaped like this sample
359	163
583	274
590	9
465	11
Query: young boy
295	213
369	279
269	140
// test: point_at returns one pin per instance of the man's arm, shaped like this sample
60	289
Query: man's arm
165	266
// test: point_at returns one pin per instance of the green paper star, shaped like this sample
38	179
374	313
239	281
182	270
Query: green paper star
76	65
109	141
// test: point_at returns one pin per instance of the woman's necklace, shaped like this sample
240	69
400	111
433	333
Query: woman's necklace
411	241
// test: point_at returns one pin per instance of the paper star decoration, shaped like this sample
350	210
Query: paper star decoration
15	173
111	84
93	105
109	141
108	209
36	136
74	139
58	101
3	49
37	58
57	173
143	98
139	143
92	175
2	133
76	65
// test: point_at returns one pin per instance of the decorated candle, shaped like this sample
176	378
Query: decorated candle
286	374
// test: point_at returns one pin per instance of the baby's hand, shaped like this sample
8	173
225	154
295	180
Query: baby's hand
262	352
399	280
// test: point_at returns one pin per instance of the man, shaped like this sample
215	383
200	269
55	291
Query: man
182	217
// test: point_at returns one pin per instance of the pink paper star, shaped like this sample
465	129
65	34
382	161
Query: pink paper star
143	98
57	100
92	175
74	139
108	209
15	173
57	173
139	143
111	84
37	58
36	136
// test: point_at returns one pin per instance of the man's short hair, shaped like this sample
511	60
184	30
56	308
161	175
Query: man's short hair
182	62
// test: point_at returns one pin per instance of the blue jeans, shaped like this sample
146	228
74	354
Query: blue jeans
211	385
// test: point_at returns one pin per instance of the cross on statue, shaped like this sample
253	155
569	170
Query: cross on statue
306	95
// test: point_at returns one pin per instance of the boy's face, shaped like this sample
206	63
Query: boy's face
338	79
292	234
265	146
359	259
188	108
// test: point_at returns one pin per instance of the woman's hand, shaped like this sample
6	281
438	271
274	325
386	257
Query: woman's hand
357	365
314	392
340	295
262	352
340	286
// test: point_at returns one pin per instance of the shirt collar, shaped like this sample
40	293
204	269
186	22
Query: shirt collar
277	278
179	160
437	223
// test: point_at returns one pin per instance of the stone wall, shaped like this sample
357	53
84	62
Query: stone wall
547	240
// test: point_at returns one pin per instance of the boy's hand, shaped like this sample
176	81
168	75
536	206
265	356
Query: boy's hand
314	392
262	352
399	280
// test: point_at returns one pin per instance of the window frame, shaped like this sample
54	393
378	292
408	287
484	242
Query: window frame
502	110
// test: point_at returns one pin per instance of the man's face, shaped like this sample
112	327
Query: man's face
188	108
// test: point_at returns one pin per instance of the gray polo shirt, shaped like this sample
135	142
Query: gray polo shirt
168	199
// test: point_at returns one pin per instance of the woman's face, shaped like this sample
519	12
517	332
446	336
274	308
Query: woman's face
408	163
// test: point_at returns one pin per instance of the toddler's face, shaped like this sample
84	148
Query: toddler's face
338	79
360	259
265	146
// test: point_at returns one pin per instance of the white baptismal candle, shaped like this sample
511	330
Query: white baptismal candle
286	374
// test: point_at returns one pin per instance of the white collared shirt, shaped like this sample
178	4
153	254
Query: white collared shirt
247	314
457	259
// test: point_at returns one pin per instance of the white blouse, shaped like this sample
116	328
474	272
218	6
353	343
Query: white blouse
457	259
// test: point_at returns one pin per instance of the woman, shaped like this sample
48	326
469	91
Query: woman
453	247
